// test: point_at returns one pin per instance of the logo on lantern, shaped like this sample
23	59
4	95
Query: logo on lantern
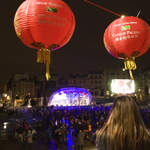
127	27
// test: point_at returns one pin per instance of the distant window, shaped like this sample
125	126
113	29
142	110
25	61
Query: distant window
102	92
112	74
95	81
96	93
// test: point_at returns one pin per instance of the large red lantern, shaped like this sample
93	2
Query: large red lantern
127	38
45	25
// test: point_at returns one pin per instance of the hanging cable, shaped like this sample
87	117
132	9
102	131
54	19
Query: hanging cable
105	9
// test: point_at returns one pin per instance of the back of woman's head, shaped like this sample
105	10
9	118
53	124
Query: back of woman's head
124	129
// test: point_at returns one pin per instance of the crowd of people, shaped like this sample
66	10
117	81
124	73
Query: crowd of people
64	127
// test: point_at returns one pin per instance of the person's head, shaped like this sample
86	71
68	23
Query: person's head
125	127
80	130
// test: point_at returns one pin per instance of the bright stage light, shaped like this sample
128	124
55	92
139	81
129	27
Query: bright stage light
70	96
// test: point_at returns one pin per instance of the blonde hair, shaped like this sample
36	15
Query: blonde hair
124	128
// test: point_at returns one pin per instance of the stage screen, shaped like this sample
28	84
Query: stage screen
122	86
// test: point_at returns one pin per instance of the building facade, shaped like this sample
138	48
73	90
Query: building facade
22	85
98	83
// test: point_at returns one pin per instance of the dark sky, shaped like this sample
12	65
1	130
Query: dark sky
85	51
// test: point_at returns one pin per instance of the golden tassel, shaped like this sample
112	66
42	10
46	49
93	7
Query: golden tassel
130	65
38	60
43	56
47	62
131	75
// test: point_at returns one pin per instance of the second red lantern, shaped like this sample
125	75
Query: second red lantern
127	38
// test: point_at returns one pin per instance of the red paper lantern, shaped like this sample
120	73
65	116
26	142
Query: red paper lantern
45	25
127	38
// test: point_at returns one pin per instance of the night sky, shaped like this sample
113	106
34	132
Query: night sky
84	52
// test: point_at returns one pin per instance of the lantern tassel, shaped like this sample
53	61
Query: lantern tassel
131	75
43	56
129	64
38	60
47	62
